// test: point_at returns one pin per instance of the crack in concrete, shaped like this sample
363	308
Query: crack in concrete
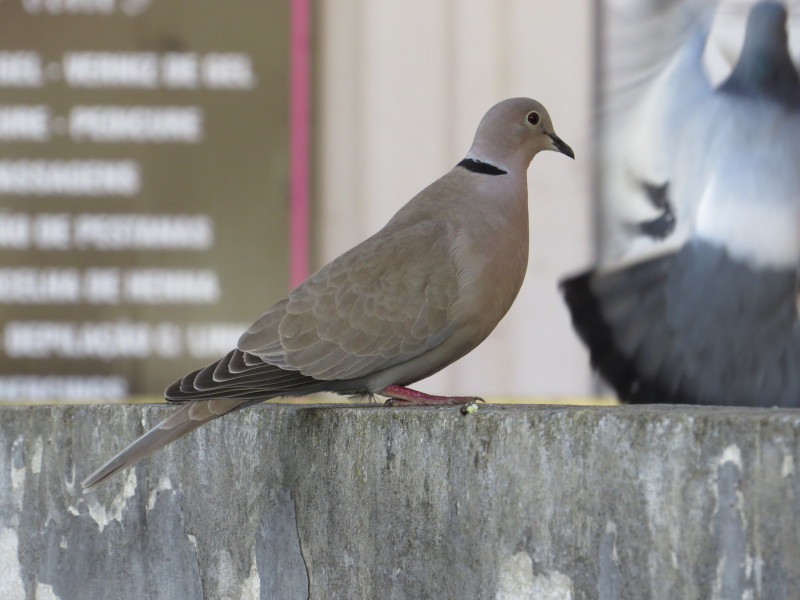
300	543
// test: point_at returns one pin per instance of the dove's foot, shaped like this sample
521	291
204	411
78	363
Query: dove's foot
403	396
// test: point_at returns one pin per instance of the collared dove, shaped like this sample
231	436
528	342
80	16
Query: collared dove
716	321
413	298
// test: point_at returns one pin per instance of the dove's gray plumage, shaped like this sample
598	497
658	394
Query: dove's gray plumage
405	303
716	321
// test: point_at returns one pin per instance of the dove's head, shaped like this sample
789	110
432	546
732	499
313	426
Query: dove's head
513	131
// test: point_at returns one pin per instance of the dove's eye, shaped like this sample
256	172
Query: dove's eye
533	118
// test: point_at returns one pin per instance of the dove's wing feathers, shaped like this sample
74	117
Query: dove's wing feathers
225	378
375	306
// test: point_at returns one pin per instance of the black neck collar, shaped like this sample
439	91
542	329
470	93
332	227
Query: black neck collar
478	166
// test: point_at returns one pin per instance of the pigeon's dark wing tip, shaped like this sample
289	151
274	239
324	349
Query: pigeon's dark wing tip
587	318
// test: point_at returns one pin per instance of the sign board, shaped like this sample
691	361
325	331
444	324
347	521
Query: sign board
144	173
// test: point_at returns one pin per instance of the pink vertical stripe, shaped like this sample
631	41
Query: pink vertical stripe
298	142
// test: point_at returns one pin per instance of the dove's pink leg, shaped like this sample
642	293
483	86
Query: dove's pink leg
406	396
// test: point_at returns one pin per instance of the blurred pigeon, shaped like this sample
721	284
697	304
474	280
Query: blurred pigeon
716	320
654	80
413	298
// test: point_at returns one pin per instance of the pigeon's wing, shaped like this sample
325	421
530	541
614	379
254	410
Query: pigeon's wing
696	326
640	211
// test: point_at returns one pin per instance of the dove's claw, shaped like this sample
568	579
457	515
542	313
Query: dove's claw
403	396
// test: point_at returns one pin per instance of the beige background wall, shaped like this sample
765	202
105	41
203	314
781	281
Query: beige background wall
400	87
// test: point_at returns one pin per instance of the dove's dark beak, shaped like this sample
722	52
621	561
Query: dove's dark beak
558	144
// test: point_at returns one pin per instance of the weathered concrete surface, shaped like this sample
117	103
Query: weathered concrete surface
367	502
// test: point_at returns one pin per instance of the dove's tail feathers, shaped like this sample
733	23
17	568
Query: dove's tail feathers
613	314
237	380
188	418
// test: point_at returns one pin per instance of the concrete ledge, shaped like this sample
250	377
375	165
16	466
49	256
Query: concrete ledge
406	503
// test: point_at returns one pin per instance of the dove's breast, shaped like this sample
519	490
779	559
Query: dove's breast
486	228
492	257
